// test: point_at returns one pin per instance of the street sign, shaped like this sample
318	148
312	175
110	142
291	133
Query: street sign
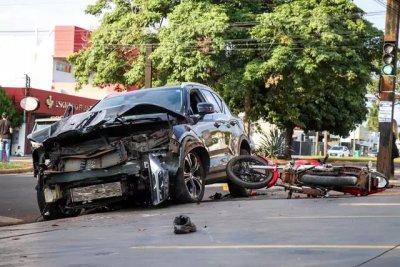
385	111
29	103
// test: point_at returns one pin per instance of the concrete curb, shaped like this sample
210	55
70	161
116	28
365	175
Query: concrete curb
20	170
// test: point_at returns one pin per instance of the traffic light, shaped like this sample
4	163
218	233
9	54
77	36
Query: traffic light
389	55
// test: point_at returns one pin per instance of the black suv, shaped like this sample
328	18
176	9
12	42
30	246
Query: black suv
149	145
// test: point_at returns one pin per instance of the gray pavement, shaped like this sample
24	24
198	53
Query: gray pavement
265	230
338	231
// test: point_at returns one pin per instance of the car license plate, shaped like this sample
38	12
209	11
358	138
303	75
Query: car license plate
98	191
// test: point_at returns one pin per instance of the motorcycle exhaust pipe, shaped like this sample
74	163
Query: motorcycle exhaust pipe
305	190
293	188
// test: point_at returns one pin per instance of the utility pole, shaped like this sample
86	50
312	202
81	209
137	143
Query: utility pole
387	87
148	67
27	85
27	93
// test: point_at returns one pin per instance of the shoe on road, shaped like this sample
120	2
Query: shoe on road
183	225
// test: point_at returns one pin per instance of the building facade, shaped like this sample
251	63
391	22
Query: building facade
45	63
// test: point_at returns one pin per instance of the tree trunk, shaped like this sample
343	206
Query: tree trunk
247	124
288	142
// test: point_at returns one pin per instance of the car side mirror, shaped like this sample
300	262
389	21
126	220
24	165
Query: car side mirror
205	108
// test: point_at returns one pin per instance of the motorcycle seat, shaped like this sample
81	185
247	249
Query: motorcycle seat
326	180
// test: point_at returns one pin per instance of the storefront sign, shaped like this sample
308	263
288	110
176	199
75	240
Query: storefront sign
29	103
52	103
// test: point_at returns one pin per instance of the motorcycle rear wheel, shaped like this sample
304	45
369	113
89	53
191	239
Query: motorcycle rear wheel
239	171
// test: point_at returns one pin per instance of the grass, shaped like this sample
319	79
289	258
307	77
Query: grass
12	165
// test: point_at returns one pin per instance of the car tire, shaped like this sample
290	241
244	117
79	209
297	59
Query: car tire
52	211
235	190
190	181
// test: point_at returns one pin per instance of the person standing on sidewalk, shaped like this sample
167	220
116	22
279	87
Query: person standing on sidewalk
5	137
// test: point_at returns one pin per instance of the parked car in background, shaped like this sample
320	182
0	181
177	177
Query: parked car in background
147	146
41	124
373	153
339	151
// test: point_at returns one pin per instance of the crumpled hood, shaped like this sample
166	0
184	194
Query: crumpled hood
89	121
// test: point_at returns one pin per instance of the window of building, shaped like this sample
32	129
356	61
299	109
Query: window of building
63	66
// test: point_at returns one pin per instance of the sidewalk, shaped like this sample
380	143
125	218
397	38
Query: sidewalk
396	181
26	161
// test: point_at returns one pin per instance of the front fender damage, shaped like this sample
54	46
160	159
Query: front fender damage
159	181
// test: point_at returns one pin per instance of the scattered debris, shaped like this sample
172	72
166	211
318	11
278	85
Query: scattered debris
216	196
183	225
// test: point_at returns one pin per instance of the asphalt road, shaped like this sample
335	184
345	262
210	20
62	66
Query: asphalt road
337	231
18	198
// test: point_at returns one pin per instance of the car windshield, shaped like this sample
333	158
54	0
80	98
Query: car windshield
170	98
337	148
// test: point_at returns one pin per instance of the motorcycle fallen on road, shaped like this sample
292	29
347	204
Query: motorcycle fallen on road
310	177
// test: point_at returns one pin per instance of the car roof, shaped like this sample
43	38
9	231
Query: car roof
166	87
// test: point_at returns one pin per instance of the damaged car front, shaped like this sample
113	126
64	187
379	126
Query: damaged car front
134	145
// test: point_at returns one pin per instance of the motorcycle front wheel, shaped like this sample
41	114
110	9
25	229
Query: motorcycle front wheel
242	171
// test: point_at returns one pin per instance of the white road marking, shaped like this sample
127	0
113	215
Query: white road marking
334	217
205	247
370	204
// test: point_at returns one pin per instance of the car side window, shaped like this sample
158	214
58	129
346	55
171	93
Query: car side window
224	107
210	98
195	98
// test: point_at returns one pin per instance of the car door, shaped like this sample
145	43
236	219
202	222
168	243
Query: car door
208	129
222	123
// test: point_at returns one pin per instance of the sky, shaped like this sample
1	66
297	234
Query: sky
45	14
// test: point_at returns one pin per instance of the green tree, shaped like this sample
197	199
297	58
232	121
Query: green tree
8	106
317	65
116	51
300	63
372	122
203	41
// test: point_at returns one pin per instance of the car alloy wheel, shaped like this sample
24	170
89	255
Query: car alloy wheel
192	174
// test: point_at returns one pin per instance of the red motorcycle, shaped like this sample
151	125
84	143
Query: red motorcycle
310	177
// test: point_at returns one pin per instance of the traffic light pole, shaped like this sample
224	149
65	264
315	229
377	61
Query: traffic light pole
387	88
